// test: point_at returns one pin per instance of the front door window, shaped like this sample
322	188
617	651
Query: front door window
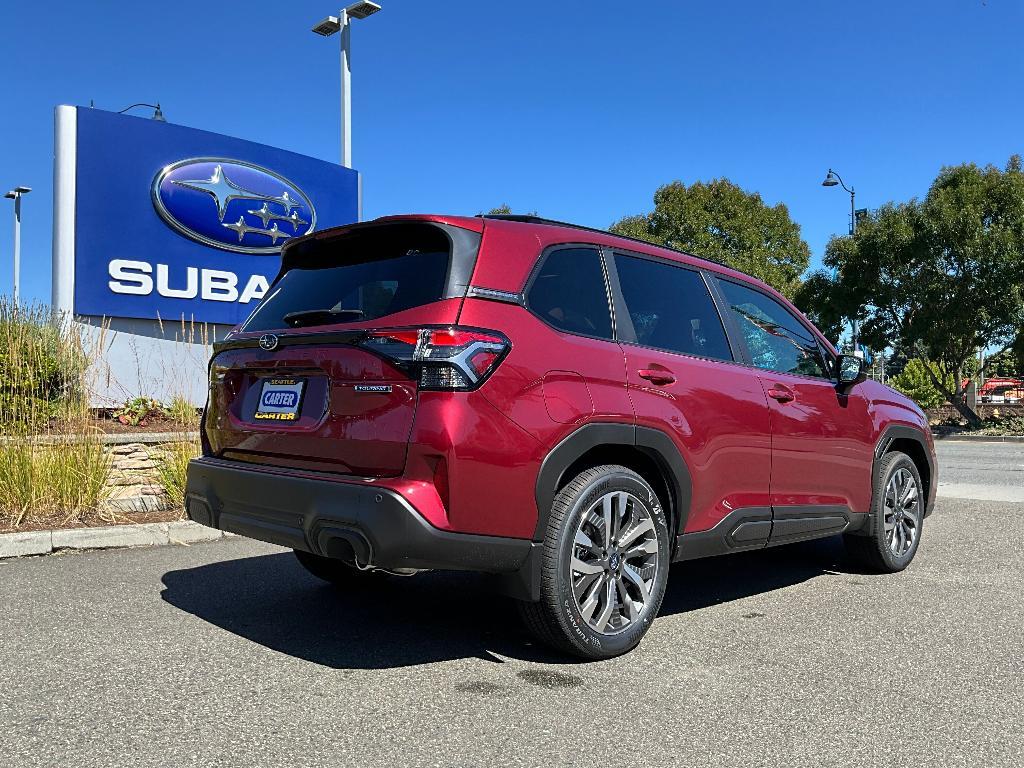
776	340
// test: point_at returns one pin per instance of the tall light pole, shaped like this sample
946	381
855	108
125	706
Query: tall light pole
326	28
832	179
16	195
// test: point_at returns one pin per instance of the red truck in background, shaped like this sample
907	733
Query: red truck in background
1002	389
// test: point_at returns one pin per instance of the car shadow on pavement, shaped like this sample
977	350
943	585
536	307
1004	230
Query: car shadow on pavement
273	601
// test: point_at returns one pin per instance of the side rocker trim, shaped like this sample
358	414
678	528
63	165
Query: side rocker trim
748	528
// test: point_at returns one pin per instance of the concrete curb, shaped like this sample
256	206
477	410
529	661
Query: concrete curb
980	438
20	544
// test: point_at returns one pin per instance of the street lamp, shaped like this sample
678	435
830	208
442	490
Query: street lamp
158	114
15	195
326	28
832	179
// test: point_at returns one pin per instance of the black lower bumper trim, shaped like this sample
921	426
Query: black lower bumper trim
339	519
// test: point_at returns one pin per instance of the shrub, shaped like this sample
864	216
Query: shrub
915	383
139	410
182	412
172	467
1011	425
43	362
67	478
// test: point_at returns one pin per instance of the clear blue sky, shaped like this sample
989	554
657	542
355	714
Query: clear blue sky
575	109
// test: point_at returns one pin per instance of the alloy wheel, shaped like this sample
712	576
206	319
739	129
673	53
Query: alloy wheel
902	512
614	562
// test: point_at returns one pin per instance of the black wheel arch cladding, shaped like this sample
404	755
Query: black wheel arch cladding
601	440
910	441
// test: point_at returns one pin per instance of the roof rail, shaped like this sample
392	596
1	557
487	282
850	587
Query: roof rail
528	219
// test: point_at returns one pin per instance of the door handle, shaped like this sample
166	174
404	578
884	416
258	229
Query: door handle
782	394
656	376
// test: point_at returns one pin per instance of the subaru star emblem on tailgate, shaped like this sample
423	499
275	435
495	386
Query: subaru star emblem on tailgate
232	204
268	341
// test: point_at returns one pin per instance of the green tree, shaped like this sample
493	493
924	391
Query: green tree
505	210
940	277
720	221
916	383
816	297
1009	362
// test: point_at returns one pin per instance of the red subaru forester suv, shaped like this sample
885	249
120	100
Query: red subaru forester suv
565	408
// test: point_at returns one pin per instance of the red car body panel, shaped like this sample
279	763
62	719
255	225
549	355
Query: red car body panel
584	382
482	466
823	443
716	415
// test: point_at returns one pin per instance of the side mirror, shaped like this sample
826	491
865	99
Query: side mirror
851	369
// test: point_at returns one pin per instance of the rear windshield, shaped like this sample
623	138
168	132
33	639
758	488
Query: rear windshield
360	276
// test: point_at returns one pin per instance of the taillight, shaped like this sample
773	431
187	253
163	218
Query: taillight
444	358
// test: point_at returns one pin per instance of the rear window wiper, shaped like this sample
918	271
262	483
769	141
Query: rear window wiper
307	317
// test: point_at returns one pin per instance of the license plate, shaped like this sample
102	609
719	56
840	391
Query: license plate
280	400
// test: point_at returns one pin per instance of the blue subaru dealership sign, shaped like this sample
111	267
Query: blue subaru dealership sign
172	222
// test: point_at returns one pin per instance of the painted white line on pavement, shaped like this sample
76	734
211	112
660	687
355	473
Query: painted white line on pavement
980	492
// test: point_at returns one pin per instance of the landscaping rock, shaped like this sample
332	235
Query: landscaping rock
130	463
139	503
121	492
132	479
124	450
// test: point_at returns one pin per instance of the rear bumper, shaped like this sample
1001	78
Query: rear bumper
344	520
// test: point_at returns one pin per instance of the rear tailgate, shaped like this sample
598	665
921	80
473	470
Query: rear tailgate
316	399
354	414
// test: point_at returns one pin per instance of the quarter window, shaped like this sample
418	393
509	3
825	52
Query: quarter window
569	293
670	308
776	340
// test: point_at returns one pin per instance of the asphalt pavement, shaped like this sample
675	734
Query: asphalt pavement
978	470
228	653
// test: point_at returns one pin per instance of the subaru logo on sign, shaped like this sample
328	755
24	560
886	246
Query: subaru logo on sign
232	204
268	341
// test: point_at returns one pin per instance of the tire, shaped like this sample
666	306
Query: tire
895	529
574	603
336	572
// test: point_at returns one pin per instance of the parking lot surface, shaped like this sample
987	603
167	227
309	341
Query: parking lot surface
228	653
988	471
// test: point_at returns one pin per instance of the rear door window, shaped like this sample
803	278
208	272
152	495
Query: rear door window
569	293
670	308
776	340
